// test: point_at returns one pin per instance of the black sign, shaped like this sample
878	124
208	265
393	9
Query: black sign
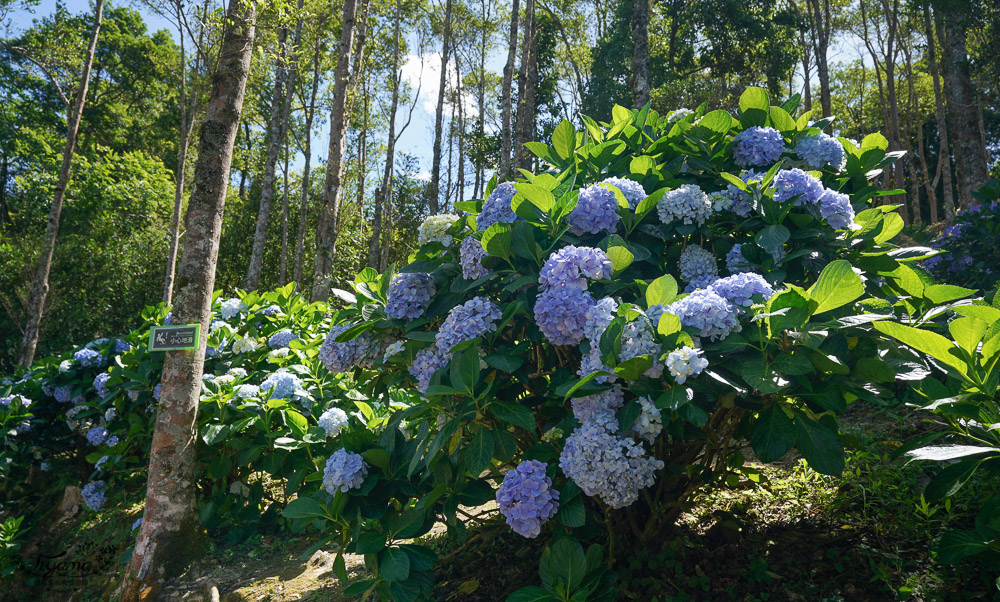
171	338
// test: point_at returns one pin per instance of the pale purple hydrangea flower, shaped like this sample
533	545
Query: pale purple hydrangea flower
344	471
792	183
409	295
820	150
649	424
270	310
741	288
426	362
712	315
596	211
136	524
88	358
471	254
698	267
496	208
685	362
63	393
472	319
527	498
633	191
687	204
758	146
342	357
560	313
93	495
592	362
637	340
246	391
281	339
156	392
736	263
608	466
836	209
112	441
598	317
333	421
283	382
96	435
231	308
570	266
599	407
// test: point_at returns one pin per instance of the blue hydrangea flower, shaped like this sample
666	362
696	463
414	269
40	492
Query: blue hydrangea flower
698	266
136	524
758	146
281	339
496	208
333	421
343	357
649	424
685	362
637	339
598	317
527	499
633	191
270	310
93	495
409	295
741	202
561	314
836	209
238	372
246	391
63	393
570	265
344	471
740	288
688	204
821	150
156	392
230	308
712	315
471	254
605	465
168	320
88	358
426	362
596	211
122	346
96	435
736	263
283	382
598	408
592	362
6	401
472	319
792	183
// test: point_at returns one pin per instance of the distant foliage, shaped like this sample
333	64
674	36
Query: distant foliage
971	244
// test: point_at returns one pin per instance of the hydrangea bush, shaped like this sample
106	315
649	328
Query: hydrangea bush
607	336
970	245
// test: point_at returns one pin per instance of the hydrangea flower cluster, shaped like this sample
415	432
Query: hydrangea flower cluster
471	254
435	229
797	184
836	209
342	357
136	524
742	205
281	339
527	499
608	466
63	393
736	263
409	295
705	310
598	317
685	362
496	208
472	319
571	266
394	348
599	407
246	391
101	384
596	211
6	401
333	421
678	114
740	288
698	267
633	191
244	345
426	362
230	308
270	310
820	151
649	424
96	435
758	146
344	471
561	308
688	204
637	339
93	495
283	382
88	358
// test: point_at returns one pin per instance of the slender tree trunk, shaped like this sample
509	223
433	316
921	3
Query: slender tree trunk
505	95
363	158
806	73
170	534
640	53
280	101
307	170
481	104
283	262
326	231
822	29
944	150
460	192
383	195
916	150
963	124
40	285
526	104
4	174
432	187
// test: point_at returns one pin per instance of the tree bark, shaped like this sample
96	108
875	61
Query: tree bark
40	285
326	230
481	101
280	104
970	162
944	150
170	531
640	53
460	191
307	169
526	100
821	30
383	195
506	132
432	191
283	261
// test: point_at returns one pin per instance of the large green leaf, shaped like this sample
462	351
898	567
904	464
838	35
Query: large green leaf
564	559
754	98
394	564
514	413
564	139
479	452
928	342
531	593
837	285
303	507
718	121
661	291
620	258
772	435
820	447
955	546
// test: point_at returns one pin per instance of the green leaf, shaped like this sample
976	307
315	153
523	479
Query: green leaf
514	413
781	120
928	342
536	195
620	258
531	594
946	453
873	369
633	368
967	332
642	165
943	293
370	542
754	98
772	237
951	478
565	559
876	140
772	435
661	291
479	452
669	324
955	546
543	151
497	240
303	507
564	139
503	362
820	447
572	513
717	121
394	564
837	285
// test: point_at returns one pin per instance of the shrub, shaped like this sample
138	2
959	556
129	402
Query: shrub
971	244
606	336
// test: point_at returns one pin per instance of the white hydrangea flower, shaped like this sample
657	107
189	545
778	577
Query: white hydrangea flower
685	362
688	204
393	349
649	424
244	345
435	227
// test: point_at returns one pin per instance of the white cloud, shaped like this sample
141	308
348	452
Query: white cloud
427	76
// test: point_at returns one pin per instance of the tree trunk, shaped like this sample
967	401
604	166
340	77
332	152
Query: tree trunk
280	103
432	192
40	285
970	162
307	170
283	262
171	533
383	195
4	210
326	230
806	73
505	95
478	186
526	100
944	150
640	53
821	29
460	191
